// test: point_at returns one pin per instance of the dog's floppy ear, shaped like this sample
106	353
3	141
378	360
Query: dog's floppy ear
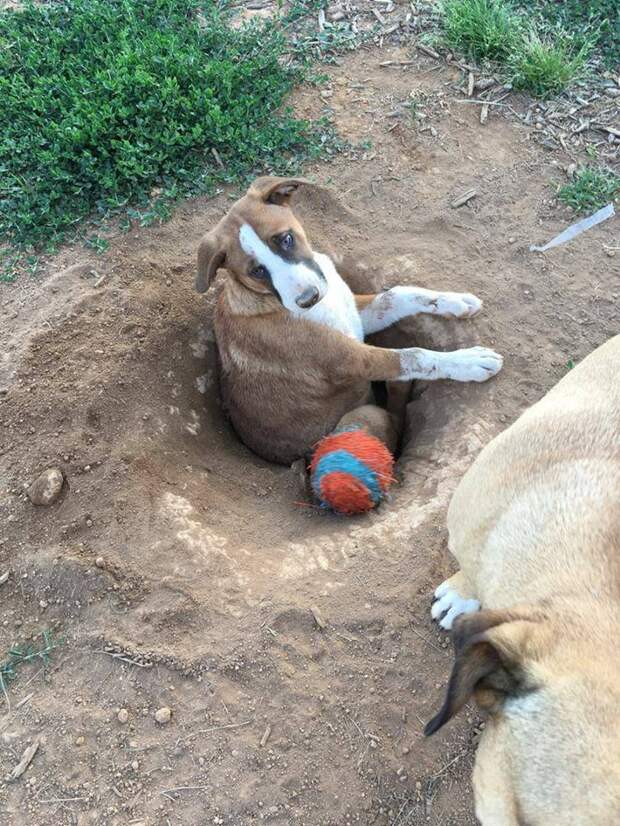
489	649
211	256
277	190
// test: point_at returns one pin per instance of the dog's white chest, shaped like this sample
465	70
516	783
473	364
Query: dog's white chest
337	309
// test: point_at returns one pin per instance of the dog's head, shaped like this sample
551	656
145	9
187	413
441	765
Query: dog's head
550	752
263	246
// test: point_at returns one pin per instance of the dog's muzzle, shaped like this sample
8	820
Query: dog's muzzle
308	298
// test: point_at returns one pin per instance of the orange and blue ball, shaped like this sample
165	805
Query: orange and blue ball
351	471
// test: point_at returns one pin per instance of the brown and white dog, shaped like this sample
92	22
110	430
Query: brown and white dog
290	333
535	527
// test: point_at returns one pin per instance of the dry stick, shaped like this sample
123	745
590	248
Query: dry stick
480	102
611	129
427	50
379	16
6	696
313	609
124	659
228	725
464	198
24	700
167	792
62	800
26	760
447	766
428	642
387	63
218	728
265	737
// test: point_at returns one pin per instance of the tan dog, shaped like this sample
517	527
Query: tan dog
290	332
535	527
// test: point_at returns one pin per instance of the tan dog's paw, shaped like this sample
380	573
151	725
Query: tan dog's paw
449	605
458	305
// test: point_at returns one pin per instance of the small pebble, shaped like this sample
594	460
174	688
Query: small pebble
163	715
135	765
79	741
100	562
122	716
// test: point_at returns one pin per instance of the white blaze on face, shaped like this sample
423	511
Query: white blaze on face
289	278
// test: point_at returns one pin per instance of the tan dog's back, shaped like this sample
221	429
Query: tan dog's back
545	492
535	527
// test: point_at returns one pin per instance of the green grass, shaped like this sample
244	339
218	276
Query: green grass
597	21
544	66
536	56
20	655
590	189
480	29
115	105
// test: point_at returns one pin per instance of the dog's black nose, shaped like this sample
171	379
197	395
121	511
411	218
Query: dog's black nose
308	298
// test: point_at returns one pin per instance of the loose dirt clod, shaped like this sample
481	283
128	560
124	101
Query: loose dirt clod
45	490
163	715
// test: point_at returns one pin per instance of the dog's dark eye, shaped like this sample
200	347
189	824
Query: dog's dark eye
286	241
260	272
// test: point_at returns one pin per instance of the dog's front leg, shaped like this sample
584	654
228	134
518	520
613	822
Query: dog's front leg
349	359
384	309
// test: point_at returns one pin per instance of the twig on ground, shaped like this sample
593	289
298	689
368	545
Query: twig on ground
27	758
124	659
218	728
168	792
428	642
445	768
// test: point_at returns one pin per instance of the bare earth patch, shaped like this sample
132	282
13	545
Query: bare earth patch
175	548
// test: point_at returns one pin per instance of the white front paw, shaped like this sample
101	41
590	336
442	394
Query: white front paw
458	305
449	605
473	364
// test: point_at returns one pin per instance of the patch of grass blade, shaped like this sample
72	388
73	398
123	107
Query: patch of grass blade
20	655
597	21
106	102
539	58
480	29
590	189
545	66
